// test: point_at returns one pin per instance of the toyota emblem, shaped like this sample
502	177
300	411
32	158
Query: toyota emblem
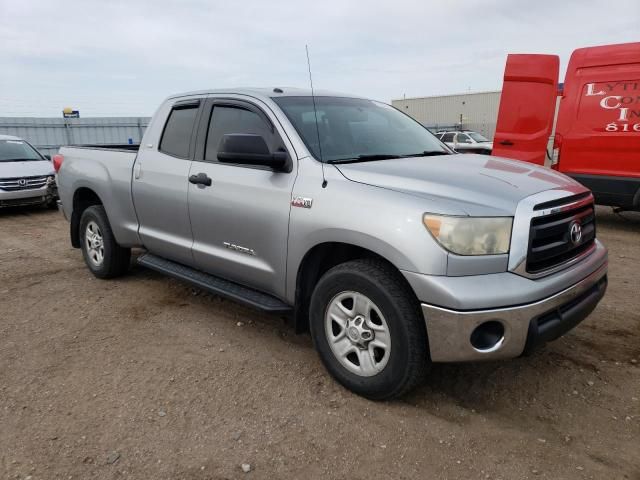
22	182
575	233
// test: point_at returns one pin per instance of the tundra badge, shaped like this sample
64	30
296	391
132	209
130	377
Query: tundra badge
238	248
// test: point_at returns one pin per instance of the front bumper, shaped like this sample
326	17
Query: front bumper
525	326
32	196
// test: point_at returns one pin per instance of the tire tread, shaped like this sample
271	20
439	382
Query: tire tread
387	278
119	257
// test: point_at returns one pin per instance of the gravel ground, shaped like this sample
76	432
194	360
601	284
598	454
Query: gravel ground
144	377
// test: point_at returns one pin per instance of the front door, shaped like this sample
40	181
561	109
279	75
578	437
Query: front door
240	221
527	107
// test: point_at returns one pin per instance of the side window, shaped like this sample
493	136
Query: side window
227	119
462	138
448	137
177	132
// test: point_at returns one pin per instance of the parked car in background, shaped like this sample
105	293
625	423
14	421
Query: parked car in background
466	141
26	176
342	213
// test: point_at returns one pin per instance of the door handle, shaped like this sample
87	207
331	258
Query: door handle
507	143
200	179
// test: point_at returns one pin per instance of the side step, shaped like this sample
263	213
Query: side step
213	284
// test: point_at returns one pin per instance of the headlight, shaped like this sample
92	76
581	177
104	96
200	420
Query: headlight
470	235
51	179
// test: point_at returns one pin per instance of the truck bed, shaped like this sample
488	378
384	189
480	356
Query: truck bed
127	147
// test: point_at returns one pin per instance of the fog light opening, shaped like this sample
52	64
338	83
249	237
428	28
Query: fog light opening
488	336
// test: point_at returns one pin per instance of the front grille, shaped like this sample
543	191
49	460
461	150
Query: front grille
22	183
550	239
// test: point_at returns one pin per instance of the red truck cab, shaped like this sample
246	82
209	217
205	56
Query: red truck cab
597	132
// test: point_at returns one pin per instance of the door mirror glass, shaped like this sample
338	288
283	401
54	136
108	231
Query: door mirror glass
249	149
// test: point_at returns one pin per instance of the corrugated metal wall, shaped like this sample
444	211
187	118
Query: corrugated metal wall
479	111
49	134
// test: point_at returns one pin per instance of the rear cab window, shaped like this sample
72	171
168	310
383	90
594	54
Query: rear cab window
176	137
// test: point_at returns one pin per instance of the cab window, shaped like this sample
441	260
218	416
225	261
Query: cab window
176	137
448	137
232	119
462	138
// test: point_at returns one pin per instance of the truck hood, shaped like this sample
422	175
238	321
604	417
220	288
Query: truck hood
463	184
33	168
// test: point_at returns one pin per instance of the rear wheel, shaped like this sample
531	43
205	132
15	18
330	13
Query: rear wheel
368	329
102	254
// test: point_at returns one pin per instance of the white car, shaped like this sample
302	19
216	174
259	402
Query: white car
26	176
466	141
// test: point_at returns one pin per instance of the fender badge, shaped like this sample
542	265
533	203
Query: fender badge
302	202
238	248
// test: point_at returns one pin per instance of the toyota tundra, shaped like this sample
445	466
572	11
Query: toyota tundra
343	213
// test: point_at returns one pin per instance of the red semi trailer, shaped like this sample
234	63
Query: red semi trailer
597	131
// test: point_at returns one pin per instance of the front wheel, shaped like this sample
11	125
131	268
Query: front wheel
368	329
102	254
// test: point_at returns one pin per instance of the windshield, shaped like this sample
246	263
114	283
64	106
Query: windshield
357	129
477	137
17	150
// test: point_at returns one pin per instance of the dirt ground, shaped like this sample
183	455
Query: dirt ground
144	377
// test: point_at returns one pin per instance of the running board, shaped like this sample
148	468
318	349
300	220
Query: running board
213	284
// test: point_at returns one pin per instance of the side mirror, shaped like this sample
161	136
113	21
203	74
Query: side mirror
250	149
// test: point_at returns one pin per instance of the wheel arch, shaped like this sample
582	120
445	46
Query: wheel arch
83	198
316	262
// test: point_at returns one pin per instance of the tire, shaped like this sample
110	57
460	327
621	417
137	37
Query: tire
102	254
378	365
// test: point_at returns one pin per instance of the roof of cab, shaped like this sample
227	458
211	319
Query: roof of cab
267	93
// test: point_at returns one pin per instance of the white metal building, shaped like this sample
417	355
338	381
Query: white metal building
472	111
49	134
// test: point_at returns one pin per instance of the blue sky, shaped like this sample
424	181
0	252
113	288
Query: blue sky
123	57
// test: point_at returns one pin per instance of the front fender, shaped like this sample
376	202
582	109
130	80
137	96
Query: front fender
383	221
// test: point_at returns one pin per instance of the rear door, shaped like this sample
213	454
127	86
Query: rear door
527	107
160	181
598	130
240	221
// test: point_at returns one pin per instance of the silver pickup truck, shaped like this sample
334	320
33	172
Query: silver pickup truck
350	217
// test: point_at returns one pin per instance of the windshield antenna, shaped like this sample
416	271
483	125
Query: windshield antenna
315	113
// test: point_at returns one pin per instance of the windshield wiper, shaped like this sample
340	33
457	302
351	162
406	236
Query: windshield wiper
428	153
387	156
366	158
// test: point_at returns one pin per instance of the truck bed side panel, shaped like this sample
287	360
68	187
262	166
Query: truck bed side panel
108	174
